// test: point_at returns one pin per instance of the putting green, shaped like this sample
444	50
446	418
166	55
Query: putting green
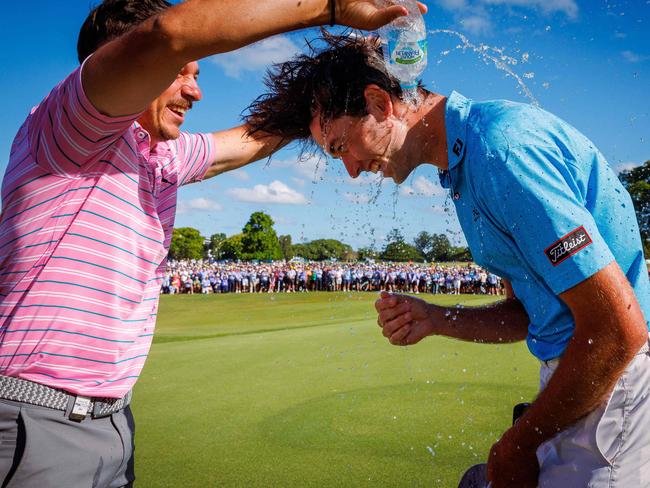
302	390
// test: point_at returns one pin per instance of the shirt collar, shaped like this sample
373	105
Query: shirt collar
456	113
158	157
143	140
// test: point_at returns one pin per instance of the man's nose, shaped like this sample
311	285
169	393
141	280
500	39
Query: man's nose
191	90
352	165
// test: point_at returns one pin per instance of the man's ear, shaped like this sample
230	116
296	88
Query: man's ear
378	102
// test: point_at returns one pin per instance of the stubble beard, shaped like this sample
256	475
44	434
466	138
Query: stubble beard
168	132
167	135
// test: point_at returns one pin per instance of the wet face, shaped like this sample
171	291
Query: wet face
368	143
164	117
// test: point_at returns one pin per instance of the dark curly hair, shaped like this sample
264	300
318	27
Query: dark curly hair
111	19
330	80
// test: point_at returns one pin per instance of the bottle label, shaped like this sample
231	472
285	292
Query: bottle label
407	52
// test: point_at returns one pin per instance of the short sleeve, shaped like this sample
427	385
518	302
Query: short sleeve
66	131
537	198
193	153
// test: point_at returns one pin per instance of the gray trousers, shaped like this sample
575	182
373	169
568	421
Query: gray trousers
42	448
610	447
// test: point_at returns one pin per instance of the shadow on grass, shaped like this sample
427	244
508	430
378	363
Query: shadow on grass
163	339
465	417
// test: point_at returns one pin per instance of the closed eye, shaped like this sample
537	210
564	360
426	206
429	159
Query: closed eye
336	150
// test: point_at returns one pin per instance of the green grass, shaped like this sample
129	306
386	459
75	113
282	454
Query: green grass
302	390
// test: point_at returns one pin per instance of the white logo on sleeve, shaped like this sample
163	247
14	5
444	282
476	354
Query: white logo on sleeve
568	245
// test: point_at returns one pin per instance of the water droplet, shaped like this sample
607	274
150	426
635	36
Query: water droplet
490	55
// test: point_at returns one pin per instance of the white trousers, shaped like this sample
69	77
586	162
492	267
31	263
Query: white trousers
610	447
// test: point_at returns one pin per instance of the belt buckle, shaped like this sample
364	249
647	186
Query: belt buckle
80	408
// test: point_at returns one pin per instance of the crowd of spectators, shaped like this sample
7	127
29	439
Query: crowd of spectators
277	277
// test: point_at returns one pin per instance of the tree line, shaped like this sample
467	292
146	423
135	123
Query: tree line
258	239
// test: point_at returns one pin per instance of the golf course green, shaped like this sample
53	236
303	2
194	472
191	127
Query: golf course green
302	390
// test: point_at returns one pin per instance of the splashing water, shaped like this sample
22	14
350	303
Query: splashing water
375	189
495	56
364	201
412	97
395	196
491	56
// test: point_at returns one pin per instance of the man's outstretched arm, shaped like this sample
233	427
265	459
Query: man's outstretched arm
236	149
126	74
610	329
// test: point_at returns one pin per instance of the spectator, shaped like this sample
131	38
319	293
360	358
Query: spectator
280	277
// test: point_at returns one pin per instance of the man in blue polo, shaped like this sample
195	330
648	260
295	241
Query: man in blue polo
540	207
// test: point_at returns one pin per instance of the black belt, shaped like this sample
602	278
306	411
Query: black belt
77	407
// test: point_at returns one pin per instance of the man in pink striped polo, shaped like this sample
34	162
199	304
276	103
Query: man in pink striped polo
89	200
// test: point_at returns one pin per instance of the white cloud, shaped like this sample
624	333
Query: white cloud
623	166
197	204
274	192
257	56
567	7
422	187
312	167
473	17
281	163
452	4
240	174
476	19
632	57
476	24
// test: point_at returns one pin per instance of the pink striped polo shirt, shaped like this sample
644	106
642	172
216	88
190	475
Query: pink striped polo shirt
87	217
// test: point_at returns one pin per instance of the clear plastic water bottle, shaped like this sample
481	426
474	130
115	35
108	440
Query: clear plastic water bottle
404	44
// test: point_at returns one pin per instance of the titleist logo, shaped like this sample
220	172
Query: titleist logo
568	245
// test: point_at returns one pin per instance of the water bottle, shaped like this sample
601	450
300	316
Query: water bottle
404	44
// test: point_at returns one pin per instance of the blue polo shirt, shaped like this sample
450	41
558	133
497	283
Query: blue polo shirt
539	206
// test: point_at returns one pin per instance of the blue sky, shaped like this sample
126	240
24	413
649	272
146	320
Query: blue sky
587	61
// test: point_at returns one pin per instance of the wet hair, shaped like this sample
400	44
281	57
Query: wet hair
330	80
112	18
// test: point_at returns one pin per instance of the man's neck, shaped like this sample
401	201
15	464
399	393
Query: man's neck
426	140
